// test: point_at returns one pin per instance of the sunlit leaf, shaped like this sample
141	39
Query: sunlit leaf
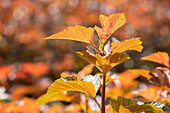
86	56
115	105
131	44
152	93
118	107
110	24
104	63
147	108
159	57
142	72
159	105
77	33
123	110
114	92
21	91
35	69
132	106
86	70
168	99
129	77
93	79
60	97
20	106
125	101
59	86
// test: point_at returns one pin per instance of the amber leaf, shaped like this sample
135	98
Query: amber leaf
60	97
93	79
104	63
142	72
152	93
86	70
35	69
159	57
131	44
77	33
60	86
26	105
110	24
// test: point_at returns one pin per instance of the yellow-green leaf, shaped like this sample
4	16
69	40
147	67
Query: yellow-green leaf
131	44
147	108
131	106
77	33
60	86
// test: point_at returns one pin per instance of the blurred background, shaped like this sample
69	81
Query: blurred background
28	63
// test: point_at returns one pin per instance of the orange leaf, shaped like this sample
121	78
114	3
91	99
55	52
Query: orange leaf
60	86
37	69
25	105
142	72
124	110
104	63
110	24
131	44
77	33
114	92
159	57
86	70
21	91
127	79
152	93
4	71
168	99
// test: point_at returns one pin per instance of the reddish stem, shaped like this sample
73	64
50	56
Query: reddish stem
103	93
95	47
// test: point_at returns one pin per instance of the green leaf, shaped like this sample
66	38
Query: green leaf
125	101
115	105
131	105
144	108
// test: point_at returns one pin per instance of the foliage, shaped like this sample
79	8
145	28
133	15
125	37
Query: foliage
120	82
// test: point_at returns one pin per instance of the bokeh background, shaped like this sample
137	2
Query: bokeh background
30	63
